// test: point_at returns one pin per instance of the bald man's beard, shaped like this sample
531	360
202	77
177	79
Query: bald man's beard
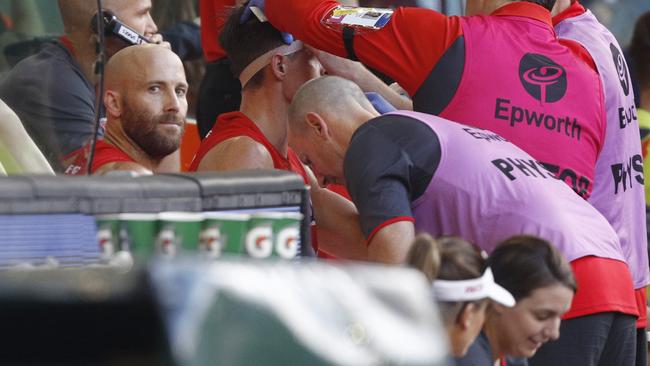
148	131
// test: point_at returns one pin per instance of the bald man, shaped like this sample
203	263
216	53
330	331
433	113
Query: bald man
146	107
53	92
409	172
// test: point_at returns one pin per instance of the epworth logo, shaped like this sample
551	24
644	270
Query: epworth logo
621	68
542	78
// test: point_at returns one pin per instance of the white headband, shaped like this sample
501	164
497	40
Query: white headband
472	290
261	62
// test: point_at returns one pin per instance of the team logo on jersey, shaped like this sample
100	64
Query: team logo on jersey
542	78
621	69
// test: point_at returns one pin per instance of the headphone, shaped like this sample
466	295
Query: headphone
114	27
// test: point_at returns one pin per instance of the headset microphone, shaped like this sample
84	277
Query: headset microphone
114	27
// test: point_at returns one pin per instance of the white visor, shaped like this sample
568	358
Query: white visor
472	290
261	62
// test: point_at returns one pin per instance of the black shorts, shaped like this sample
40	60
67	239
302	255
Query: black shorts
603	339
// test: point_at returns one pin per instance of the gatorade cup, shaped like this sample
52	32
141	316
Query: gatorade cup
178	230
223	232
259	241
137	234
286	231
108	229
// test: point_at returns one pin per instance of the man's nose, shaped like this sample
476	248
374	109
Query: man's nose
151	27
172	102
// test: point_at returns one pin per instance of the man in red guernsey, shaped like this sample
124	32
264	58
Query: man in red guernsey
53	92
145	109
255	137
505	72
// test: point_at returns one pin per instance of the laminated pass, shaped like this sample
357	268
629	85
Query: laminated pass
361	19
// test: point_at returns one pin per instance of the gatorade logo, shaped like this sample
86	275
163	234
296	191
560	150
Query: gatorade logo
288	242
259	242
105	240
211	242
542	78
166	243
621	69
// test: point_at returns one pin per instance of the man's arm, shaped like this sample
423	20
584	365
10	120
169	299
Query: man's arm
406	49
19	144
367	81
339	232
391	243
239	153
390	162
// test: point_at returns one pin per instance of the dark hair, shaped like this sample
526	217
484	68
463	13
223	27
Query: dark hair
523	264
447	258
548	4
640	50
246	42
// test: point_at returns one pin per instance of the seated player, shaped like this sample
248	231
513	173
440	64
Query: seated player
146	108
255	137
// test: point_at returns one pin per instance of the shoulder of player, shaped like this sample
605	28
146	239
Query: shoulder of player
240	152
123	166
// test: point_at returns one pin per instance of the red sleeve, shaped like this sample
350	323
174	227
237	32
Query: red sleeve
406	49
213	17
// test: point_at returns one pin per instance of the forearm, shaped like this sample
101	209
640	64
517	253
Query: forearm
302	18
19	144
338	225
371	83
398	49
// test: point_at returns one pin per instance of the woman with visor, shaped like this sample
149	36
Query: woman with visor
462	285
541	281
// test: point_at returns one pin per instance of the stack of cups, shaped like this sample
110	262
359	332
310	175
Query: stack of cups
257	235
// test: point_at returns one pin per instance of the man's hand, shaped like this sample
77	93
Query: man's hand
381	105
249	13
158	39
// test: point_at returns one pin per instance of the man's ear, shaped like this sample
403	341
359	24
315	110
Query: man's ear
317	124
113	103
279	66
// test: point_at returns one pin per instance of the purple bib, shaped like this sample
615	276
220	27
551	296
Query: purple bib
521	83
618	185
486	190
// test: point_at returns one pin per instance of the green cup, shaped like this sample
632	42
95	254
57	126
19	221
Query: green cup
178	230
259	238
274	234
108	233
137	234
286	231
223	232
